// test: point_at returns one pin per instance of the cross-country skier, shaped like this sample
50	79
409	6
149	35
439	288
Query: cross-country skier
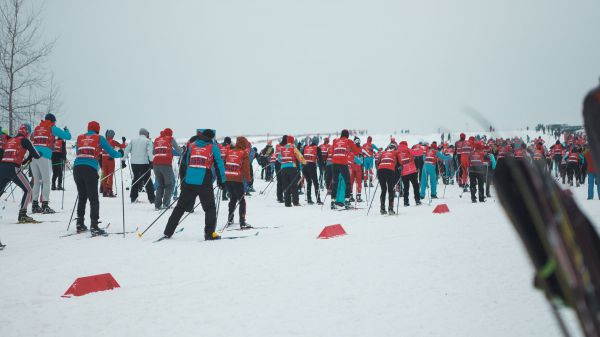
477	170
265	161
573	159
432	154
339	158
140	151
43	137
408	173
311	154
202	159
11	168
108	164
368	152
85	173
237	170
592	175
223	148
165	147
290	158
387	175
59	157
279	186
325	164
355	166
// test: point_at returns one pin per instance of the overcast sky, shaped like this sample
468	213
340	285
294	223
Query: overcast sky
257	66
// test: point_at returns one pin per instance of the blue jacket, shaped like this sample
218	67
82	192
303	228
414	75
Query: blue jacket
93	162
440	155
45	151
198	176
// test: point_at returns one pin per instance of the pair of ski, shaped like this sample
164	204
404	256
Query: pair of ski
222	238
105	234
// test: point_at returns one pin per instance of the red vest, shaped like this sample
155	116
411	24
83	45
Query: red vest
466	148
325	152
287	154
573	157
42	135
201	156
88	146
520	153
418	150
387	160
339	151
367	150
275	153
476	158
163	151
310	153
58	145
14	152
458	146
538	154
431	156
223	149
233	164
407	161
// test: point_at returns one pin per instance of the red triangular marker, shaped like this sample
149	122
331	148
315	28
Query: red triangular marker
91	284
332	231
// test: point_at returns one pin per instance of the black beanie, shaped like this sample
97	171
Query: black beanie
227	140
208	133
345	133
284	140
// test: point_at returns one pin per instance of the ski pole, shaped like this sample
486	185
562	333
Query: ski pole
372	199
62	204
123	203
139	178
73	212
269	184
158	217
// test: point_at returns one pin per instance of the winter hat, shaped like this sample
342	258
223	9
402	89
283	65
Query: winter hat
392	147
283	140
369	139
463	136
227	140
434	145
315	140
162	133
168	132
404	143
144	132
110	134
208	133
345	133
50	117
94	126
290	140
326	140
24	130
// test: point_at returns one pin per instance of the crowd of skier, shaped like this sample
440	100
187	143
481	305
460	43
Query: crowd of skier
341	169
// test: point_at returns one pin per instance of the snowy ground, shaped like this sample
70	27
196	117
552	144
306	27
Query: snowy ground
417	274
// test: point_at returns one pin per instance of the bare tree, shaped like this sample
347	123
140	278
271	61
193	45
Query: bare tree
27	89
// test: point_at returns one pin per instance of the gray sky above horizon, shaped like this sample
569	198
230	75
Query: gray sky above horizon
279	66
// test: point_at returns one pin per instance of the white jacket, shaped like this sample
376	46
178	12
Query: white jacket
141	150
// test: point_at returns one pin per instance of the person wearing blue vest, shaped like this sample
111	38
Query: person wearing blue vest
43	138
202	160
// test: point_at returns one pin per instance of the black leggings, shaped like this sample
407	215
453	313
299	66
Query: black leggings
310	174
86	179
406	181
387	180
186	200
10	172
336	170
236	194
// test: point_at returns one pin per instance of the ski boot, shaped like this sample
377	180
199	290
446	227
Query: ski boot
418	203
371	184
319	202
309	201
382	210
46	209
474	201
95	230
81	227
348	203
244	224
24	218
481	199
406	204
434	196
53	188
35	207
333	205
365	184
212	236
358	198
391	210
351	198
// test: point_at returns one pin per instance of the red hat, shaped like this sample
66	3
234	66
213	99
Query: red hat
434	145
290	140
168	132
23	130
463	136
94	126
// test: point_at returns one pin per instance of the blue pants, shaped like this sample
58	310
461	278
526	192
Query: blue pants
449	167
592	178
341	191
428	172
368	163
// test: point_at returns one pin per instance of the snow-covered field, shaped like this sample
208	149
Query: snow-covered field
464	273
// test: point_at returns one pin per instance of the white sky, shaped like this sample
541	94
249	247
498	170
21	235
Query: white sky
253	66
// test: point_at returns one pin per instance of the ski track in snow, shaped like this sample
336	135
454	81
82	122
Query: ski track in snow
464	273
